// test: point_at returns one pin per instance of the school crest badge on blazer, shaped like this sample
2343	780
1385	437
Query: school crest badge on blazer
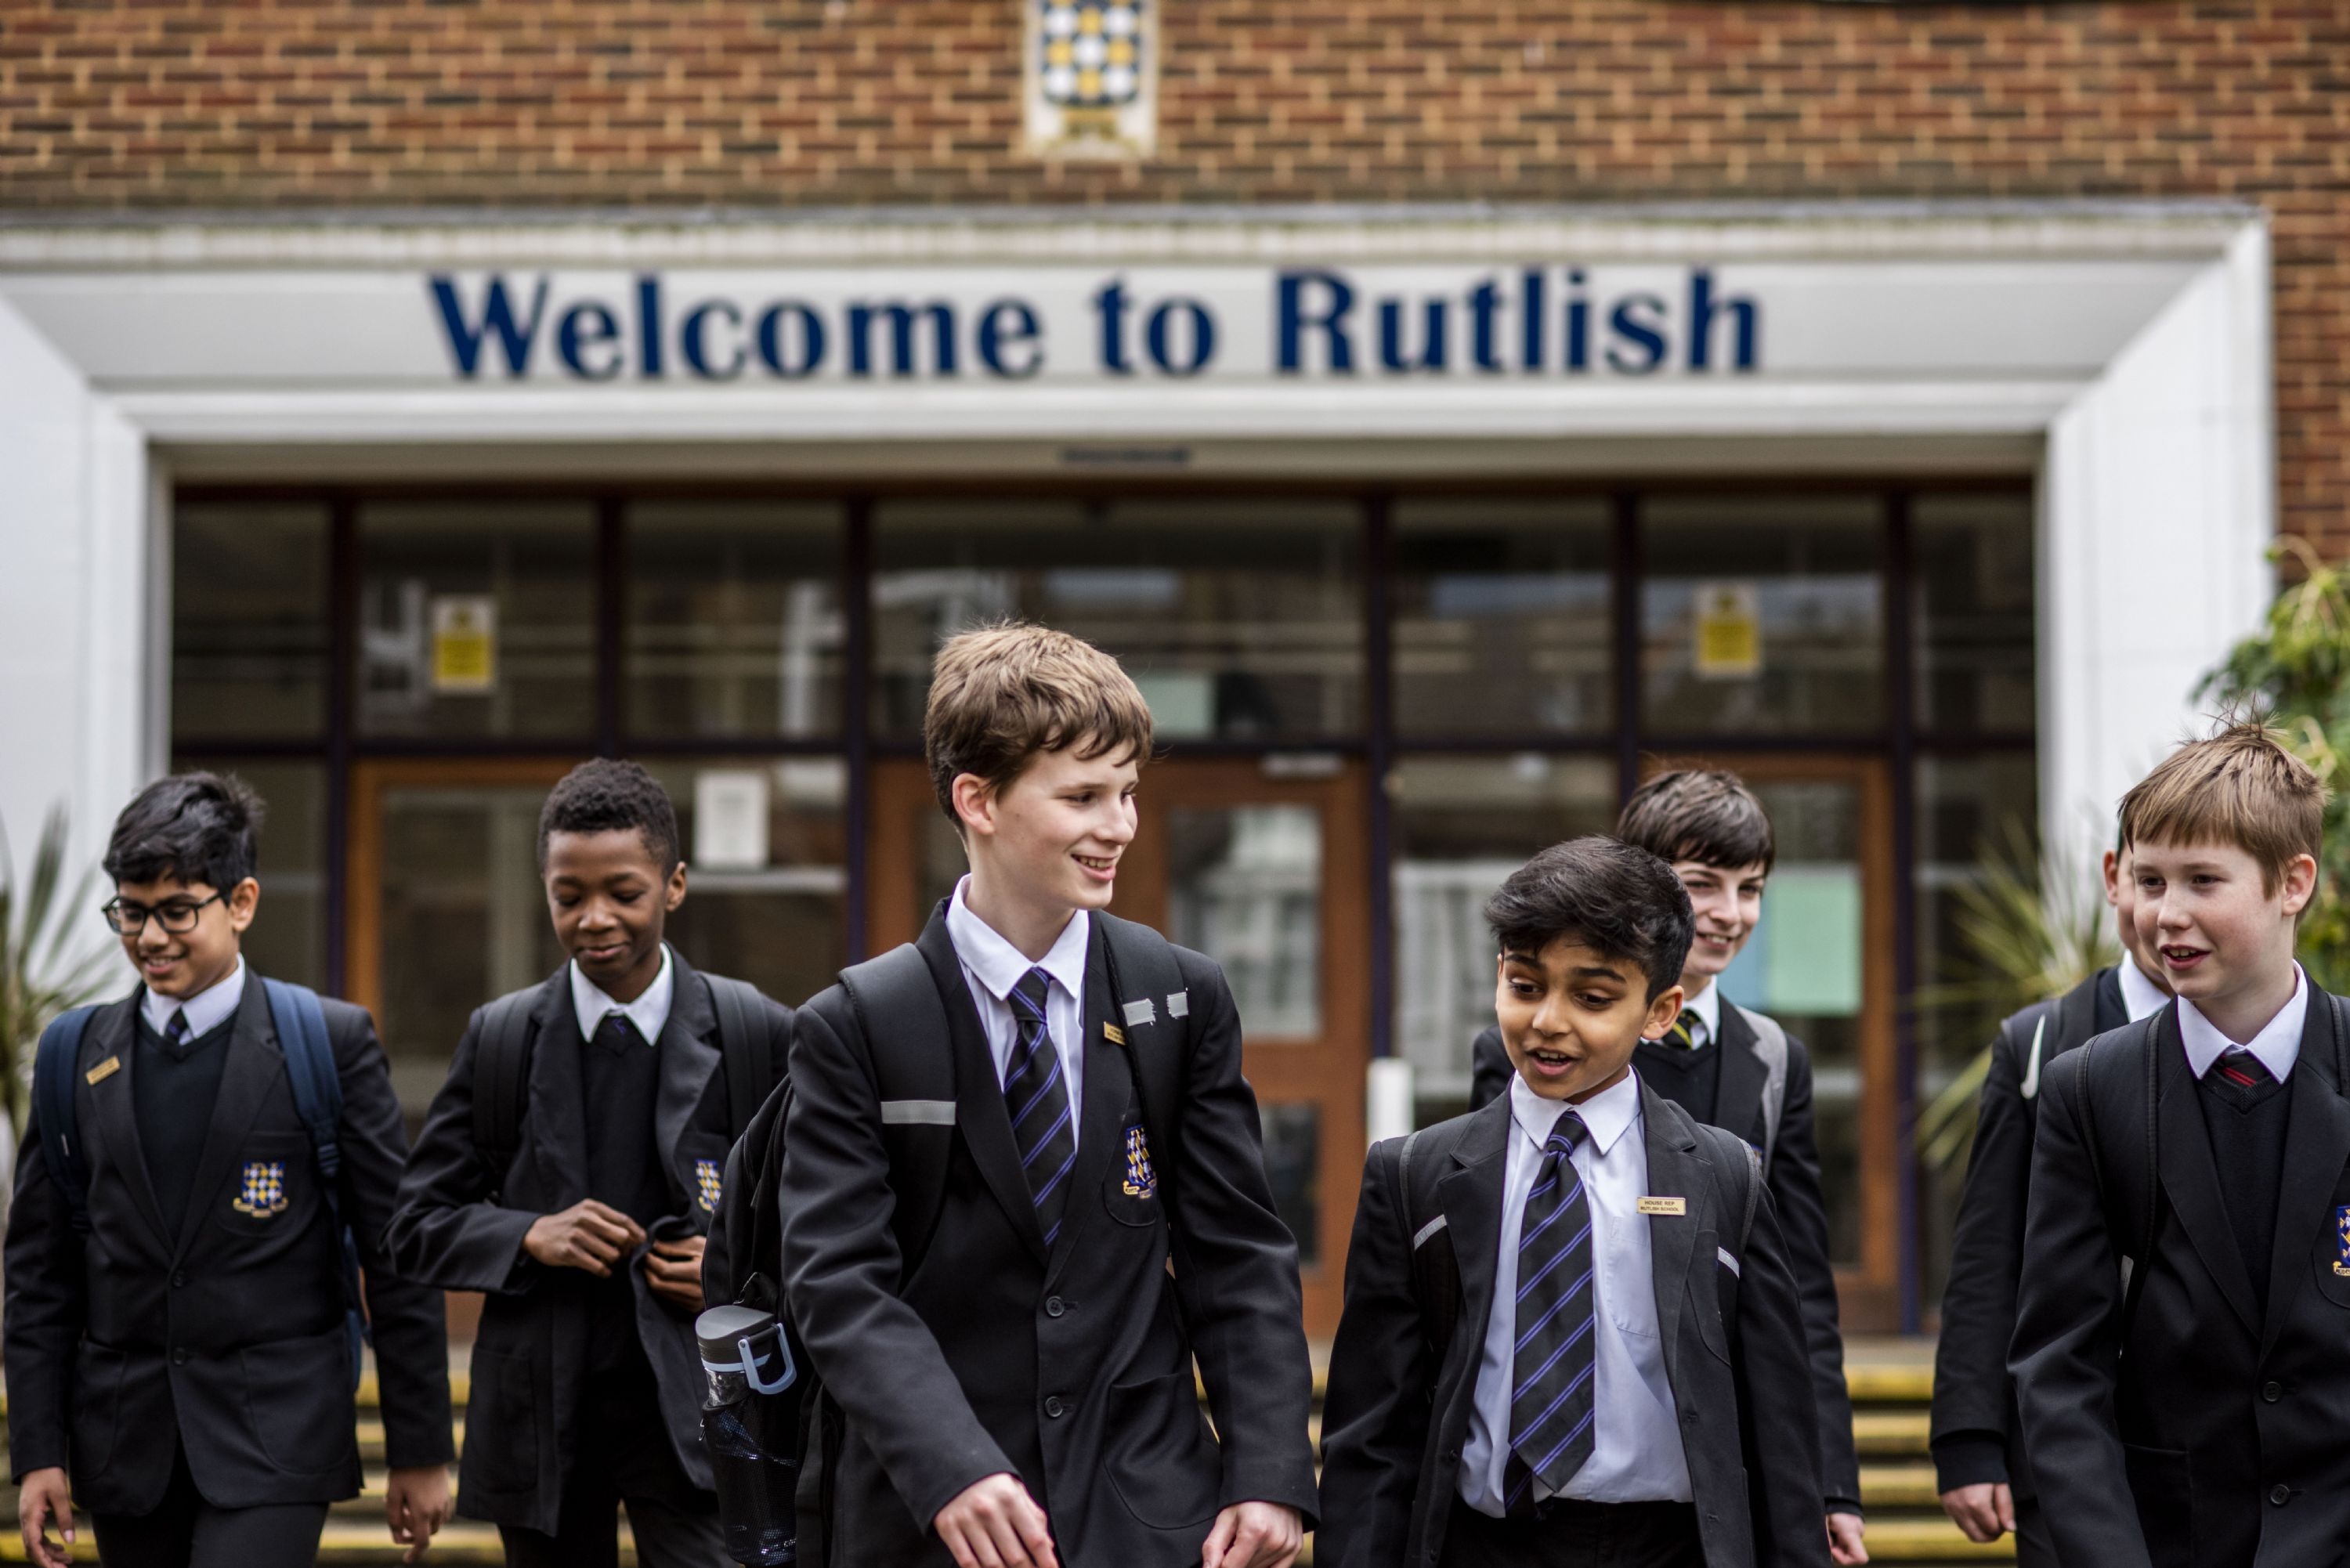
264	1188
706	1176
1142	1181
2342	1240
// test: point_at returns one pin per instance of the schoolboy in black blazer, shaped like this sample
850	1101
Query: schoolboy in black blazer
1621	1398
1016	1385
587	1232
187	1362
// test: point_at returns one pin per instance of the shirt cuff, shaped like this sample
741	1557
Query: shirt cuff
1969	1458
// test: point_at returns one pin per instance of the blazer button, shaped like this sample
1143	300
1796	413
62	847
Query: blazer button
1054	1306
180	1282
1055	1409
2280	1494
2272	1392
180	1358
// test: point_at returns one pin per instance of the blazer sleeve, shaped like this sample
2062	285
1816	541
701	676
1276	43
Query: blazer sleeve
45	1310
2066	1350
878	1359
408	1321
1794	1187
444	1231
1236	1268
1974	1395
1374	1417
1773	1366
1489	1068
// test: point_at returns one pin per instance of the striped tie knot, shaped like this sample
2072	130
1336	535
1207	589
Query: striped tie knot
177	1031
1030	994
1684	1032
2243	1069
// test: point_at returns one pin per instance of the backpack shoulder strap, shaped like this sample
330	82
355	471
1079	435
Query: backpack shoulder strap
501	1078
904	1019
301	1025
743	1047
1770	1045
1435	1265
53	1104
1737	1178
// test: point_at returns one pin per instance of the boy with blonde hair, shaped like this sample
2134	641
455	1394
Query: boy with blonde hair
2193	1409
1003	1134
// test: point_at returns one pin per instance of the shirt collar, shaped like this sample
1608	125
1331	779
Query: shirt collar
2141	998
1707	1006
207	1009
996	964
649	1012
2278	1044
1606	1115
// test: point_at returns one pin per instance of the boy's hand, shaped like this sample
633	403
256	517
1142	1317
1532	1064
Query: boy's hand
46	1496
1843	1539
415	1504
994	1524
673	1269
1254	1535
1982	1513
589	1235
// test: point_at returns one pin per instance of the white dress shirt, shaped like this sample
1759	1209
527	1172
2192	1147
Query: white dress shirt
2141	998
1707	1006
992	967
1636	1447
207	1009
2278	1044
649	1012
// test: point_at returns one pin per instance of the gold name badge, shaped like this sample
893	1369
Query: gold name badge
1663	1206
1113	1033
106	1069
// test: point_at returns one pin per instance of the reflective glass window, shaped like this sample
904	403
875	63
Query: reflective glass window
249	602
1973	594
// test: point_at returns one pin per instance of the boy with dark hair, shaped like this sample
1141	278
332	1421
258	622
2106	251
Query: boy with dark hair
181	1320
1570	1334
1981	1467
1002	1137
568	1167
2198	1415
1732	1067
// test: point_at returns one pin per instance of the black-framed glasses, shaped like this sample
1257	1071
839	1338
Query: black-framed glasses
178	916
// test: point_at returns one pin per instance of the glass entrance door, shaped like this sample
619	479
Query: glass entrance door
1259	868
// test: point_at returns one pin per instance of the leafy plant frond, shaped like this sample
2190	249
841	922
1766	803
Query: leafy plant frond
41	974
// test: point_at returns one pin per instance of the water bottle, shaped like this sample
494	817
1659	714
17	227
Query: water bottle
750	1429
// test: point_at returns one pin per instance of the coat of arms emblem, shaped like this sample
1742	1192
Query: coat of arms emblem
263	1191
707	1177
1142	1181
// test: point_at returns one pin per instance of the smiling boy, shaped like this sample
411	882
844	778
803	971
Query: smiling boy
2198	1415
1570	1334
1001	1135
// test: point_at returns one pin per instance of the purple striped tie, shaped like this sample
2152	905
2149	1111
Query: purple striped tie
1037	1095
1551	1404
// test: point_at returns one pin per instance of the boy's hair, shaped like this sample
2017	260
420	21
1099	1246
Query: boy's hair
1614	898
2240	787
1003	693
609	796
1705	815
194	827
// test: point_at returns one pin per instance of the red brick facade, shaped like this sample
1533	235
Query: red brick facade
243	104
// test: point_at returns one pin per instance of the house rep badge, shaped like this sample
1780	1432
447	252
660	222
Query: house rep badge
2342	1240
707	1178
1142	1181
265	1189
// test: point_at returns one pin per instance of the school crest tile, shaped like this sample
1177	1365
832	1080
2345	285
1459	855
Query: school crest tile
707	1177
1092	76
263	1189
1141	1181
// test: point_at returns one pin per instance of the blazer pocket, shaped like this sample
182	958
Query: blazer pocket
1130	1191
2163	1484
1714	1308
297	1399
502	1423
96	1406
1162	1465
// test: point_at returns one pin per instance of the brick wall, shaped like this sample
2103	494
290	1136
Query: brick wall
319	103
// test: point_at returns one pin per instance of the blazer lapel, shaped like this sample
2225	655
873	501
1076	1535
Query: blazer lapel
1109	1091
557	1103
689	1062
1674	1170
2316	1146
1469	1195
254	1064
1738	1098
113	1033
980	1111
2192	1179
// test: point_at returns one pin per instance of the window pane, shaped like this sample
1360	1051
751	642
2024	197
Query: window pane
767	870
477	618
1974	596
1461	825
1237	618
248	621
1762	614
1244	887
734	624
288	939
1502	618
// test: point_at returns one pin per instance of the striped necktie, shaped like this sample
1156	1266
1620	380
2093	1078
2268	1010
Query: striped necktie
1038	1099
176	1032
1551	1389
1686	1031
2240	1078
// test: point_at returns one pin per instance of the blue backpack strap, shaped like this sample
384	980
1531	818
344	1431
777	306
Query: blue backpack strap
53	1105
301	1025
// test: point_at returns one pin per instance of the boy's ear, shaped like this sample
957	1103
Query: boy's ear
974	802
2299	883
243	901
1663	1012
674	891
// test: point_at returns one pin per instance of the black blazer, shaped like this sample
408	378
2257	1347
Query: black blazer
2202	1431
460	1227
227	1340
1073	1370
1977	1437
1395	1420
1794	1180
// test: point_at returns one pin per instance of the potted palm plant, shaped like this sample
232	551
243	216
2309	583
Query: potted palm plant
45	967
